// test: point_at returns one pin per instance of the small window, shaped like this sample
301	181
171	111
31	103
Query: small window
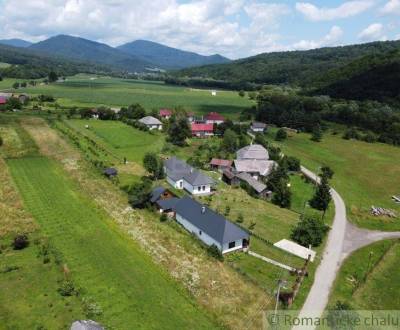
204	188
231	245
181	184
200	232
199	188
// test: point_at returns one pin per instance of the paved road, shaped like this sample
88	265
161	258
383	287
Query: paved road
331	258
344	238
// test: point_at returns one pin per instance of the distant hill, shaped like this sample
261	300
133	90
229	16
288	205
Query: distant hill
168	57
15	42
27	63
294	67
87	50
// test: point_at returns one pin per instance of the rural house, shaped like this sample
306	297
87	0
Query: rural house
214	118
259	188
164	200
151	123
202	130
220	164
257	127
254	160
209	226
182	176
165	113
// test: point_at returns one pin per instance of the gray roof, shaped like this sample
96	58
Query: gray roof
168	204
86	325
210	222
254	151
177	169
255	184
149	120
257	124
110	171
156	193
263	167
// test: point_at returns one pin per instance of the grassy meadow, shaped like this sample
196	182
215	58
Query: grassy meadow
84	90
368	279
365	174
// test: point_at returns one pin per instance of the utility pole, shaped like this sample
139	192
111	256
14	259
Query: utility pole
281	283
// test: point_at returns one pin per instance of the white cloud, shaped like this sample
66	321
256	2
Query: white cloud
347	9
373	32
391	7
331	39
265	15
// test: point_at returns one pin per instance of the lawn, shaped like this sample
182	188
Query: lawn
111	269
365	174
368	279
81	90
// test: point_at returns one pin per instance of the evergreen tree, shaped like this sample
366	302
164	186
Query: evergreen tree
327	172
282	195
53	76
316	134
277	175
322	196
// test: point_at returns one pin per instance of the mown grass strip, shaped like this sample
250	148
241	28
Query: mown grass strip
112	270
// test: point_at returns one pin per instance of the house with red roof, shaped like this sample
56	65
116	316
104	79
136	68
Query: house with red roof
3	100
214	118
165	113
202	130
220	164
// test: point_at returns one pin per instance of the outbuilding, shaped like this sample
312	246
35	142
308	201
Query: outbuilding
151	123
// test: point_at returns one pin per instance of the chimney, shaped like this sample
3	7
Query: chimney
203	209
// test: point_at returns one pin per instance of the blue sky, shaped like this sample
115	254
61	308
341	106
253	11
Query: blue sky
234	28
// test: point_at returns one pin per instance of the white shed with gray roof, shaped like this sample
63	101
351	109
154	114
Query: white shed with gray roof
151	123
210	227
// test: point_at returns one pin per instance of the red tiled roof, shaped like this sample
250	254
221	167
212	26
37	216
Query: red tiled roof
165	112
3	100
221	162
202	127
214	116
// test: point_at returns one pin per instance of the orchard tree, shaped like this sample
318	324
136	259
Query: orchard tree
153	164
178	130
282	195
139	194
309	231
229	142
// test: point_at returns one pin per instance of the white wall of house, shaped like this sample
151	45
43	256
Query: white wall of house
256	130
194	190
218	122
176	184
196	231
151	127
238	246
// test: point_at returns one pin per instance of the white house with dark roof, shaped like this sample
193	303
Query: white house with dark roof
151	123
209	226
180	175
257	127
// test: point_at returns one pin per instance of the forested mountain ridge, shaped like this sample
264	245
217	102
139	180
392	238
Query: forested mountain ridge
30	64
167	57
87	50
293	67
15	42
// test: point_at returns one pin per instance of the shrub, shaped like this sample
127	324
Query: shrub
20	242
66	288
309	231
281	135
240	218
163	217
214	252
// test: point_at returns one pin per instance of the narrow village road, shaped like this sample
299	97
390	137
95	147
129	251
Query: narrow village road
344	238
326	272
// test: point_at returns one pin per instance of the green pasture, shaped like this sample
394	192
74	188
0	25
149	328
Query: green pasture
368	279
366	174
83	90
110	269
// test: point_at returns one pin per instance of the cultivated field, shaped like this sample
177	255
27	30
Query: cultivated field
365	174
368	280
82	91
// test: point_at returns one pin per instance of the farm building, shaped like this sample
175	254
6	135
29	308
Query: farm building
257	127
220	164
209	226
151	123
182	176
202	130
258	187
254	160
165	113
229	177
214	118
160	193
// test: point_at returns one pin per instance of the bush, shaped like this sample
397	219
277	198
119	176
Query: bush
214	252
163	217
66	288
309	231
20	242
281	135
